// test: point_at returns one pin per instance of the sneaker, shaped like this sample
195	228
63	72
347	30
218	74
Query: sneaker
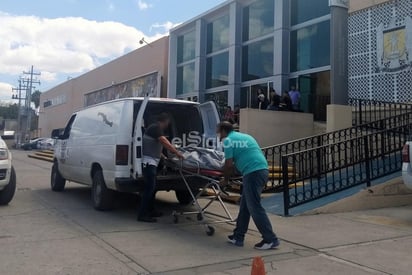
231	239
266	246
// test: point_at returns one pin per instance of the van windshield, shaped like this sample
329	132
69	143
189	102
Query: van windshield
185	118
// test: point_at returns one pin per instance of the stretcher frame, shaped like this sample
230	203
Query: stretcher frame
212	178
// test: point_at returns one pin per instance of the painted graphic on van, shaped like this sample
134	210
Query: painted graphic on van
105	120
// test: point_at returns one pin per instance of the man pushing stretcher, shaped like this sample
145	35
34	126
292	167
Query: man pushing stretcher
243	152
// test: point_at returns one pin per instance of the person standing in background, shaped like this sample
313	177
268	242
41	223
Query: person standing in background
263	102
236	114
294	95
286	102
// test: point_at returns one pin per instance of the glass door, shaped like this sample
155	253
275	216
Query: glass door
306	88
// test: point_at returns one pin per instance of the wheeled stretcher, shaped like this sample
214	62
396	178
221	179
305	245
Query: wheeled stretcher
211	192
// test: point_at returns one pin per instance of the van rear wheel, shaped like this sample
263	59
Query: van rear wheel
102	197
57	181
7	194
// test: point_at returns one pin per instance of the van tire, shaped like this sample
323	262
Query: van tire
7	194
57	181
184	197
102	197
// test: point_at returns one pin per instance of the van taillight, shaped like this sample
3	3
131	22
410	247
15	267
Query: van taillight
405	153
122	154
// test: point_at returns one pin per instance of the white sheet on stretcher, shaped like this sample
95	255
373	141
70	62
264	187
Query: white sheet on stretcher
201	158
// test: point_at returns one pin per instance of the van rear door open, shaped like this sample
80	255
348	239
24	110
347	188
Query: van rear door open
210	118
137	140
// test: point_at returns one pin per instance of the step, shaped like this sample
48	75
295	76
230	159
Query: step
278	169
34	156
278	176
44	154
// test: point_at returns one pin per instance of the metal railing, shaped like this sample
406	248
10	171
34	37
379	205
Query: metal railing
330	168
365	111
275	153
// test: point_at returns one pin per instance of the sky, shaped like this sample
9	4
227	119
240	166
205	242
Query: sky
66	38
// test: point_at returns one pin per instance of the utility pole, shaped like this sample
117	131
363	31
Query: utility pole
30	83
18	96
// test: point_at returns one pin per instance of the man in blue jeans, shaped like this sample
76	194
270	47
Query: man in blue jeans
243	152
153	142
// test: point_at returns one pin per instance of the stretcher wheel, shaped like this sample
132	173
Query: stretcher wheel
200	217
210	230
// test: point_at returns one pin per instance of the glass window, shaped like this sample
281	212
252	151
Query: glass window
258	19
218	34
185	79
304	10
217	70
186	45
310	47
257	60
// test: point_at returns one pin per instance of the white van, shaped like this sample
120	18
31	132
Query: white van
101	146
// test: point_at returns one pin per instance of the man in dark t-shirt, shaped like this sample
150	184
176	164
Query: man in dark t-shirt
153	142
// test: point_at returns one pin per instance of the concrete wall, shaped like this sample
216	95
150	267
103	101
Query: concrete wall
148	59
57	116
275	127
338	117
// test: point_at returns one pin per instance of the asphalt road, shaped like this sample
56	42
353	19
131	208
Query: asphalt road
60	233
43	232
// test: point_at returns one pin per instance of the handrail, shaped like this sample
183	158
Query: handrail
334	167
274	153
367	110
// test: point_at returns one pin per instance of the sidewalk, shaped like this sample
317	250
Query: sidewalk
364	242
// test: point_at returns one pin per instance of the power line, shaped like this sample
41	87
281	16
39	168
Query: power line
18	96
30	81
25	114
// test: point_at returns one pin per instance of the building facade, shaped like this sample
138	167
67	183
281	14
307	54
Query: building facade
229	53
142	70
241	46
380	52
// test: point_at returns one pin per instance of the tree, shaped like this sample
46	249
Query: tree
34	120
9	111
35	98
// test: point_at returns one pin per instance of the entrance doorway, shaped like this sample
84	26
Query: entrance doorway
249	94
315	93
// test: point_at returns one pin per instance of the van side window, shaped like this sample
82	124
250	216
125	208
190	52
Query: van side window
66	133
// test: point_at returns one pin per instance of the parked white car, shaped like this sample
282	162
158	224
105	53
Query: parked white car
7	175
46	144
101	146
406	166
